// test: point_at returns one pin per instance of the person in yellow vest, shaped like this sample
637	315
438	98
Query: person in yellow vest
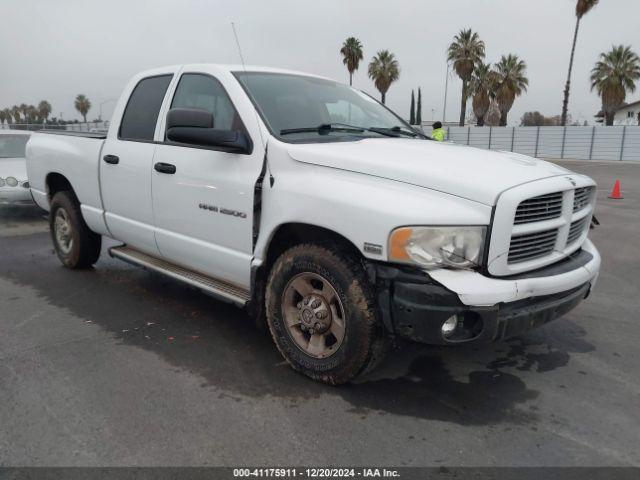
438	132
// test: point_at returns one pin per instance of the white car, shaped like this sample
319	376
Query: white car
321	211
14	185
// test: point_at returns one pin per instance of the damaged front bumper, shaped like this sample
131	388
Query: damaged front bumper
416	305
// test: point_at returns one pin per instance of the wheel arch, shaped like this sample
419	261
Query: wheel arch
285	236
56	182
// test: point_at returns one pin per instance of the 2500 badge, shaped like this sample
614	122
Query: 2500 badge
224	211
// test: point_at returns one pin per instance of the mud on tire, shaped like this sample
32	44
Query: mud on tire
348	301
76	246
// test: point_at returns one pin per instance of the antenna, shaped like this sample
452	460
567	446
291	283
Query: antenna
244	68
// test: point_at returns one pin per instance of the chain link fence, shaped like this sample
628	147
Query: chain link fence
578	143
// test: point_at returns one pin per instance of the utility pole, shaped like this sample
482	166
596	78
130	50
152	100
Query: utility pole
101	104
446	89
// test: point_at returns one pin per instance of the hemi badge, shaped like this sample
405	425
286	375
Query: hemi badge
373	248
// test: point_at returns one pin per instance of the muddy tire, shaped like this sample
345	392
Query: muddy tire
76	246
322	314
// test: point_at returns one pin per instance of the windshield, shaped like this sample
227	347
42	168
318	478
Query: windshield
13	146
298	108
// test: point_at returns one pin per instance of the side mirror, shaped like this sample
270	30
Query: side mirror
193	126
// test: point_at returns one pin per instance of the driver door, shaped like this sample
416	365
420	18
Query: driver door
203	207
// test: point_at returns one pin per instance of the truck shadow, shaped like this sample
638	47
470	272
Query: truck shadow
10	214
221	345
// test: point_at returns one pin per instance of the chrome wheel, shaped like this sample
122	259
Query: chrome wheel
63	231
313	314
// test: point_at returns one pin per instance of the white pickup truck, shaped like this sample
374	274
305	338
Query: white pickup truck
321	211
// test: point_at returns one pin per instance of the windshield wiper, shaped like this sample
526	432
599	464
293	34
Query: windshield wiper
325	128
394	131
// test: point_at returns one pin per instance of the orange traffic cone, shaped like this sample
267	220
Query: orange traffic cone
616	193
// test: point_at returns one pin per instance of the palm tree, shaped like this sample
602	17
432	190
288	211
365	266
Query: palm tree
32	114
384	70
582	8
83	105
8	116
482	86
15	111
465	52
24	109
512	82
351	55
613	76
44	110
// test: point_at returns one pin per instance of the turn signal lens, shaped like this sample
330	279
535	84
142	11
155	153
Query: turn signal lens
398	243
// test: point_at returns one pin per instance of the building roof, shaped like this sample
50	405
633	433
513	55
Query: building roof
626	105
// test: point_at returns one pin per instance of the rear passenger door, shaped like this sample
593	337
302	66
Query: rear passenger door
126	165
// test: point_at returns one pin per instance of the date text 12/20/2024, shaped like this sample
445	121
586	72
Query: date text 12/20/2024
315	472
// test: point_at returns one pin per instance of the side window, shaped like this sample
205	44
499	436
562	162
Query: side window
202	91
141	114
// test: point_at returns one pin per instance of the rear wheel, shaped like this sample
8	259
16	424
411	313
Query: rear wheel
322	314
76	245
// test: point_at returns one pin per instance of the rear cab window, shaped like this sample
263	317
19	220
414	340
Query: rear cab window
141	114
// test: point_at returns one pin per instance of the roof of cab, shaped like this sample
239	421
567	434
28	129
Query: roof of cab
229	68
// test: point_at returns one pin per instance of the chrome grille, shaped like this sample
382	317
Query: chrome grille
529	246
577	229
538	209
582	198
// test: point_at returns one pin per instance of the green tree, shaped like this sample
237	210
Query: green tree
351	55
384	70
465	52
44	109
83	105
613	76
3	116
412	113
582	8
512	81
419	108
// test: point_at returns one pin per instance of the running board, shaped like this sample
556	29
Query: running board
218	288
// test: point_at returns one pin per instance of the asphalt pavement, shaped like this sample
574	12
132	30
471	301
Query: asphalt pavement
120	366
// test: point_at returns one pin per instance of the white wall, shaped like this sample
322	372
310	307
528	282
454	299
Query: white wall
623	116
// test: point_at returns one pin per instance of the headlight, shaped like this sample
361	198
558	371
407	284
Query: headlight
12	182
438	247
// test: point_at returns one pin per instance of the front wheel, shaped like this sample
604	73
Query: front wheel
322	314
76	246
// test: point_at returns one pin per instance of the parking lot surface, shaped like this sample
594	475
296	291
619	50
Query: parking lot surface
120	366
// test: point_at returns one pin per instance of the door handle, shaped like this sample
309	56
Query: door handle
112	159
165	168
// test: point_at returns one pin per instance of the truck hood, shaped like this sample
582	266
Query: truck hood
471	173
13	167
